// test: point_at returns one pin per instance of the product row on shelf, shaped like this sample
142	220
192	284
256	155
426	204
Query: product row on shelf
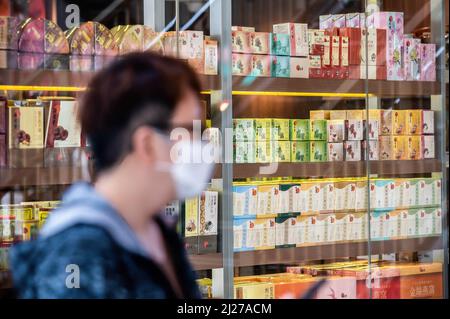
41	44
342	280
272	198
347	46
337	135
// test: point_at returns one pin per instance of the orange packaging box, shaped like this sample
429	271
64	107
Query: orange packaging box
413	147
413	122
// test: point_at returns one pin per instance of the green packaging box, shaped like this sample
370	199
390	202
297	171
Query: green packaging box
281	151
244	152
318	130
318	151
300	151
263	129
281	44
281	67
244	130
263	152
280	129
299	130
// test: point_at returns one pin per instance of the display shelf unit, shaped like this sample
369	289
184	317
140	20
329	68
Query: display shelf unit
14	79
335	169
64	80
294	255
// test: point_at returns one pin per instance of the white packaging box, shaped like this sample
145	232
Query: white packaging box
298	33
425	219
329	195
358	229
427	146
376	225
268	200
391	224
404	223
355	130
352	150
211	59
374	150
285	231
331	228
427	122
208	213
437	219
318	197
374	129
245	200
355	20
402	193
290	199
299	67
361	196
425	192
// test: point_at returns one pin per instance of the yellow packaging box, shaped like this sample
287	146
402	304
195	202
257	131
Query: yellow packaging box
399	122
281	151
263	129
253	290
413	147
280	129
338	115
399	146
356	115
319	115
413	122
191	217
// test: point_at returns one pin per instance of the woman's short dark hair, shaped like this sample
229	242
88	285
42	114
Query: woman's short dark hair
135	84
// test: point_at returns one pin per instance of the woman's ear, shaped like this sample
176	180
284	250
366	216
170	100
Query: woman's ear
143	141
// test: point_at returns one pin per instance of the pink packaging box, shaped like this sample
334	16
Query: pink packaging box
241	64
299	67
412	59
298	33
427	62
261	65
393	23
240	42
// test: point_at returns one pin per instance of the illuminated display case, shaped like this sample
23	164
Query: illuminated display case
331	116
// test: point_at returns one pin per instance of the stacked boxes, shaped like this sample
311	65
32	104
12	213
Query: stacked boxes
406	134
200	223
307	212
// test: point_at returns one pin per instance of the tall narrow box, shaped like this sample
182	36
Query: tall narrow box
412	59
427	62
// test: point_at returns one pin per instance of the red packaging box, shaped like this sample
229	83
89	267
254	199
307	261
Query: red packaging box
315	67
354	44
376	46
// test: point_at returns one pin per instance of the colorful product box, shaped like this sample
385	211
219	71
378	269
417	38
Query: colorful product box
253	290
263	233
263	152
338	115
241	236
393	23
260	42
354	45
386	148
437	230
281	151
208	213
211	57
339	20
261	65
412	59
241	64
426	222
318	151
420	281
402	193
240	41
280	66
244	129
281	44
353	151
376	47
413	122
298	33
299	67
399	147
285	231
361	196
377	231
315	67
413	147
409	224
280	129
263	129
336	131
290	198
299	129
382	194
318	130
335	152
391	223
319	115
191	217
374	150
427	62
300	151
269	200
242	28
244	152
374	129
245	200
354	130
62	127
393	122
427	146
427	122
26	126
355	20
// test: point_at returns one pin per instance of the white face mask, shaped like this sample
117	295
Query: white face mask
190	178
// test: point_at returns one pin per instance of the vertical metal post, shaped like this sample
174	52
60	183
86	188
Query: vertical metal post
222	117
437	15
154	14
